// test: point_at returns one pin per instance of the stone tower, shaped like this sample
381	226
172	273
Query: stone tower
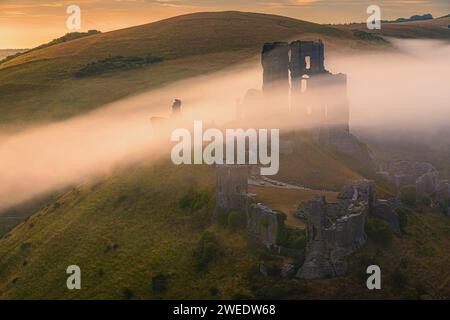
307	58
275	62
231	187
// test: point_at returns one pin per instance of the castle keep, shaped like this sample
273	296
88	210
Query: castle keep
297	70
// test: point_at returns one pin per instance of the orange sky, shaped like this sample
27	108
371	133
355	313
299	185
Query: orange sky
26	24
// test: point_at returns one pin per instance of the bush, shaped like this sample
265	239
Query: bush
240	296
408	195
236	220
444	205
421	289
160	283
365	261
379	231
292	238
127	293
399	279
193	200
214	291
100	273
403	215
222	218
116	63
425	199
207	250
269	293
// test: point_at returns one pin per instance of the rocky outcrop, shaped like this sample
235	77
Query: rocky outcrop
264	224
335	230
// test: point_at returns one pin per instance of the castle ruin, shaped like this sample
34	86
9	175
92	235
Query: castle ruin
297	70
335	230
231	188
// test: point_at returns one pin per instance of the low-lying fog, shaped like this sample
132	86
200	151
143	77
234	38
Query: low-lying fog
407	90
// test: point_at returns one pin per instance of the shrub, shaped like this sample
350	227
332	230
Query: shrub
240	296
100	272
421	289
444	205
116	63
24	246
269	293
403	215
193	200
425	199
408	195
214	291
206	251
379	231
365	261
160	283
292	238
222	218
399	279
236	220
127	293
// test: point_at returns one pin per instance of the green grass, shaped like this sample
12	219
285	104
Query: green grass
131	227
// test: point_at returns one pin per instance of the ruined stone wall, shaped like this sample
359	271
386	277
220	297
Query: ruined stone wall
335	230
423	175
263	224
231	187
275	62
300	50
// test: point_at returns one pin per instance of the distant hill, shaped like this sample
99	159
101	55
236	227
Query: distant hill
417	28
417	17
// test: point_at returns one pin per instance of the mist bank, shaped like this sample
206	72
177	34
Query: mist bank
402	90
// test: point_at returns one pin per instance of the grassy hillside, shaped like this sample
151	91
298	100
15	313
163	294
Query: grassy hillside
121	232
126	230
41	86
